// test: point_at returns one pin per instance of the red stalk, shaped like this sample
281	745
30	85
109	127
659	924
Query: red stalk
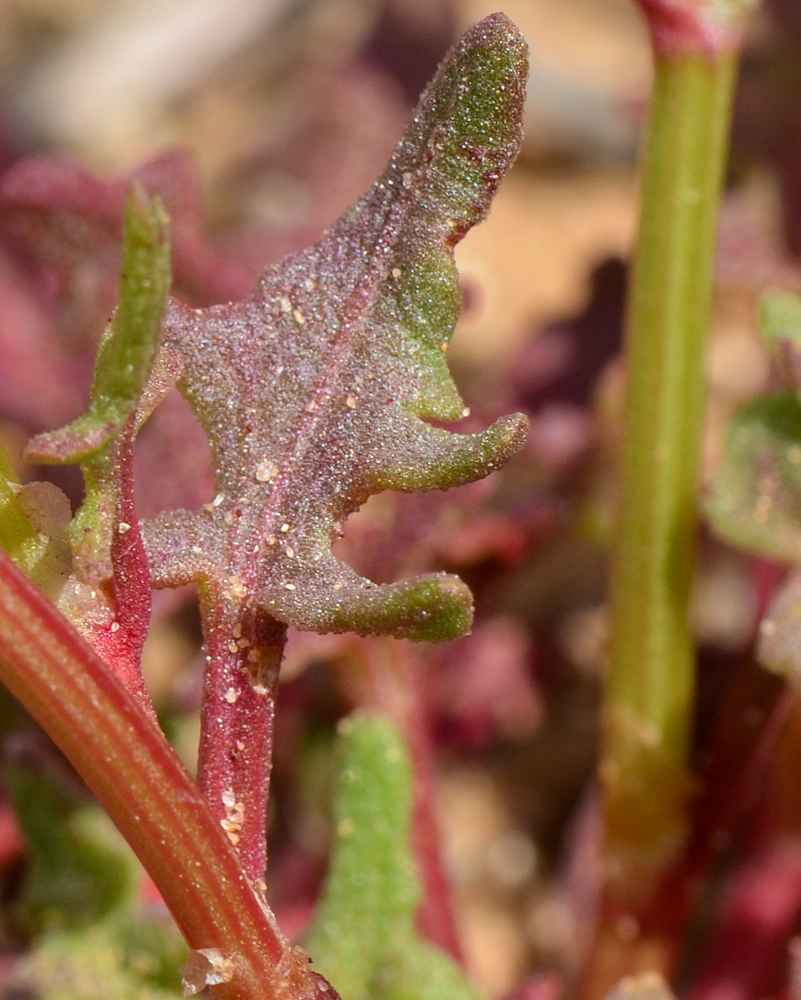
243	654
125	760
683	27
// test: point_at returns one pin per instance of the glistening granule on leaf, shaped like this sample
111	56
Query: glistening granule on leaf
315	390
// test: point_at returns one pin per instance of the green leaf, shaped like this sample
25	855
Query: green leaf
364	939
755	499
80	870
129	344
91	964
315	391
124	363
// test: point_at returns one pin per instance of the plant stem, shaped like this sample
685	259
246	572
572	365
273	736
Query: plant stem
649	694
243	655
125	760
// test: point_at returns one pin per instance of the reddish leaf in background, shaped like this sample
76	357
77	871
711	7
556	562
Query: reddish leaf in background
69	222
65	215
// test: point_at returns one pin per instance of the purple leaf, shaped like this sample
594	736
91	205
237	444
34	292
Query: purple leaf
315	390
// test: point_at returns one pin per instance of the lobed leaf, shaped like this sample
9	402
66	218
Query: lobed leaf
315	391
364	939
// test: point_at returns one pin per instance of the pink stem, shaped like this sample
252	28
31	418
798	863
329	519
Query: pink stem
435	918
121	645
243	652
683	26
749	948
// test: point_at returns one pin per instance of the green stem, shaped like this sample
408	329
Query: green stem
649	695
126	761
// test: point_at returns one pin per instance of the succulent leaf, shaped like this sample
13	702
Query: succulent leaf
364	938
314	390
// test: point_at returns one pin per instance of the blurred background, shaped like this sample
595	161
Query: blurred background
287	110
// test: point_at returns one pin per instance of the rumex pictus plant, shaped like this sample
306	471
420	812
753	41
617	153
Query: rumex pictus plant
323	386
316	391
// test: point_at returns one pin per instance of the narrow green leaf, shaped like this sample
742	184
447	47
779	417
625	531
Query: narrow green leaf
124	363
128	346
364	939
